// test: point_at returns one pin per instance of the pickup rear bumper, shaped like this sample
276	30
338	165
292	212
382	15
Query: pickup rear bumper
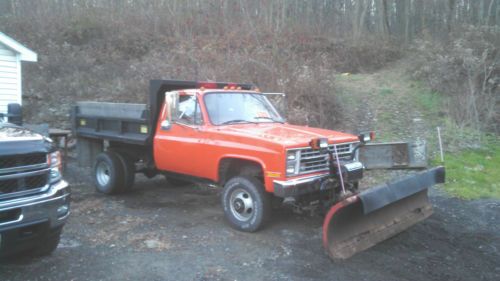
296	187
24	222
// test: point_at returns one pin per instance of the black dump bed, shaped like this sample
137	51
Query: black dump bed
128	122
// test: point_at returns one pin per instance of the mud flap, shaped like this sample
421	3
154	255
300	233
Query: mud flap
363	220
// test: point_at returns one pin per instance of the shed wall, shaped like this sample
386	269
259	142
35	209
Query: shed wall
10	80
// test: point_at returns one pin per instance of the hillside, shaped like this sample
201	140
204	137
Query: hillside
399	108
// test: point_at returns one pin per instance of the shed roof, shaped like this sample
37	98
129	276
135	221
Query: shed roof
25	53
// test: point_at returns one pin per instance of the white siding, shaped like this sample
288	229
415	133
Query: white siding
10	81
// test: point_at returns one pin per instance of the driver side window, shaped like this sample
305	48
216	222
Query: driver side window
189	112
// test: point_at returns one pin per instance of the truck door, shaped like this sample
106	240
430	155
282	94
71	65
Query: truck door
179	142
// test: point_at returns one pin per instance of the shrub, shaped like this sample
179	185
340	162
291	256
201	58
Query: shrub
467	72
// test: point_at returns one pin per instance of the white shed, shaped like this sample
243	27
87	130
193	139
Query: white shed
12	53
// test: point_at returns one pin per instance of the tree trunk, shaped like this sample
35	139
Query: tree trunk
382	21
449	16
360	19
408	21
490	18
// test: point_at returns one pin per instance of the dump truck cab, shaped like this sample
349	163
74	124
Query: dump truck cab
216	133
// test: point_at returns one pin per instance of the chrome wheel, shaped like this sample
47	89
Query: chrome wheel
241	205
102	173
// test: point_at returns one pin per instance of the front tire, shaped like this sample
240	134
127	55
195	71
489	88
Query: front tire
246	204
109	174
48	245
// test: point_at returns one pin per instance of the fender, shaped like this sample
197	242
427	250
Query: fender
267	181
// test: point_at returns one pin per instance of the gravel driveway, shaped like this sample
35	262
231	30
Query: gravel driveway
162	232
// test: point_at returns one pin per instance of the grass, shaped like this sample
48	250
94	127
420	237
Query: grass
386	92
430	102
472	158
474	173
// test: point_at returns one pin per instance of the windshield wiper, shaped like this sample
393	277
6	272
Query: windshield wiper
235	121
268	118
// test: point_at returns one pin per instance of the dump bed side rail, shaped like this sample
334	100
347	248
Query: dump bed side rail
123	122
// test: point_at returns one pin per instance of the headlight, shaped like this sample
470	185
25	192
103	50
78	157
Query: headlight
291	162
55	166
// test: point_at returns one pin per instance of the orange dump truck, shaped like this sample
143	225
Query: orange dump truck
232	136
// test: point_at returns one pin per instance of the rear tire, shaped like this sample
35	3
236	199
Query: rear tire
109	174
246	204
128	171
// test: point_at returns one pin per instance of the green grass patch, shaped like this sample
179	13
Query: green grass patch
386	92
474	174
429	101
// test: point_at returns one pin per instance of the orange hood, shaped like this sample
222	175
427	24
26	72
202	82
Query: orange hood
284	134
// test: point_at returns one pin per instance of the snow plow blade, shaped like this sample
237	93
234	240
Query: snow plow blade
376	214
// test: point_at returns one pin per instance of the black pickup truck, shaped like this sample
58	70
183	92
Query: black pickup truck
34	199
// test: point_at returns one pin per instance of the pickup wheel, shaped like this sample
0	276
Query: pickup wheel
47	245
246	204
109	174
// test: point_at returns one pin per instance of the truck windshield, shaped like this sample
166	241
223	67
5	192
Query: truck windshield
232	108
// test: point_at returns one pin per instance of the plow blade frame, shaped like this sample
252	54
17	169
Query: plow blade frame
363	220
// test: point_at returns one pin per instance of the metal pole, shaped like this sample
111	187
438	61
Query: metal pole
340	169
440	145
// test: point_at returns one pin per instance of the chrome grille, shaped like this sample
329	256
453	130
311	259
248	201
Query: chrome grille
314	161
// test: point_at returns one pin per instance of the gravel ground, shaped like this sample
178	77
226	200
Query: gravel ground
162	232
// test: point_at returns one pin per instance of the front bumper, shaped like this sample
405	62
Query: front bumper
351	172
300	186
25	219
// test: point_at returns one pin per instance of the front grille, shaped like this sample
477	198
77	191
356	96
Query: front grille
23	183
12	161
313	161
23	174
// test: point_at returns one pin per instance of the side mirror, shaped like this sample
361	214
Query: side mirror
15	114
279	102
165	125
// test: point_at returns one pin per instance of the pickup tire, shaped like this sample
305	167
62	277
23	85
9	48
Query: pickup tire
246	204
47	245
109	174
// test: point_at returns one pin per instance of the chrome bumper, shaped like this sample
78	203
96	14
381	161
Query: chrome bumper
51	206
298	186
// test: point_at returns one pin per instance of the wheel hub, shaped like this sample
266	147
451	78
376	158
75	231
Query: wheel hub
102	173
241	205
